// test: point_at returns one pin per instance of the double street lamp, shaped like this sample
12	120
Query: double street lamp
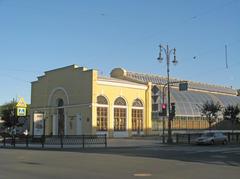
168	53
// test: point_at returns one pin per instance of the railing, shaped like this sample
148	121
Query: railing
61	141
190	138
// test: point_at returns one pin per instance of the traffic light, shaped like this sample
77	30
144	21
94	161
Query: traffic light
164	110
173	110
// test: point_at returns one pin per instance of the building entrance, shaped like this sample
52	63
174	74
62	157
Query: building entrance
61	121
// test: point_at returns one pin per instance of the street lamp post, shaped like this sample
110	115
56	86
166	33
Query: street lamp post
160	59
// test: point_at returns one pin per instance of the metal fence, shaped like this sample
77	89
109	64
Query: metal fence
190	138
61	141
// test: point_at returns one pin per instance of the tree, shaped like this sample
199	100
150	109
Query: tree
232	113
8	115
211	111
238	92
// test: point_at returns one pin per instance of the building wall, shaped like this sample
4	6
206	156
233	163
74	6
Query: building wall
79	88
113	90
74	86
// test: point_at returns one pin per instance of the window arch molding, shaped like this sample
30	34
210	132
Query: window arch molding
118	100
137	103
50	97
102	100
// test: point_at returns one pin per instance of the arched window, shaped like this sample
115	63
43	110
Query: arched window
102	100
137	103
60	102
102	113
137	116
120	102
120	114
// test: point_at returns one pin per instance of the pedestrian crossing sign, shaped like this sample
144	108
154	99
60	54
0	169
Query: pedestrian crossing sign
21	111
21	107
21	103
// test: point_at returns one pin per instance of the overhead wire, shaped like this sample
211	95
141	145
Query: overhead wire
19	70
192	18
203	53
5	75
229	65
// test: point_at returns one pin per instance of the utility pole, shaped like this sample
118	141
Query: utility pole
160	59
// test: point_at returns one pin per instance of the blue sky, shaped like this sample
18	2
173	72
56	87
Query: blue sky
36	36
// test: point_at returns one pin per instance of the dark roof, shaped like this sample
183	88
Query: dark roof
159	80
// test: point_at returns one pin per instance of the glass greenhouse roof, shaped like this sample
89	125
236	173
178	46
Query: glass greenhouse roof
188	103
159	80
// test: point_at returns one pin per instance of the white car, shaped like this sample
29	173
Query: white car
212	138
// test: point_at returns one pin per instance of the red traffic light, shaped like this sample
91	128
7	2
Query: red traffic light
164	106
164	110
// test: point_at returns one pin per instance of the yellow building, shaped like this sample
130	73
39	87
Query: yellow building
74	100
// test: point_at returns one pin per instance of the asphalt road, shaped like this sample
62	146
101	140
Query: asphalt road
148	161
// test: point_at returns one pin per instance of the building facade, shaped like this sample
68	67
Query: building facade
74	100
188	103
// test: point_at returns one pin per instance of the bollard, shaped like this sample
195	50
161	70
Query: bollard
43	140
105	137
177	138
83	141
229	137
27	140
13	141
61	141
4	141
189	138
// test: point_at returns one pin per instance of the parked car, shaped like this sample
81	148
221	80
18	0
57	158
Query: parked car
212	138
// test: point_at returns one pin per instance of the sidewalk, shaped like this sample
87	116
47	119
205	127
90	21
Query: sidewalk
111	143
132	142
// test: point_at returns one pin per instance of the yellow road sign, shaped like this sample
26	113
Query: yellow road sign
21	111
21	103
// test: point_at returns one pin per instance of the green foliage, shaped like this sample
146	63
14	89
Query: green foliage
232	113
211	111
238	92
8	114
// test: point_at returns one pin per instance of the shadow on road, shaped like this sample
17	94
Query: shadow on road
219	155
204	154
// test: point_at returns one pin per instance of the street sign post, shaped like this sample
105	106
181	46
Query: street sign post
21	107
